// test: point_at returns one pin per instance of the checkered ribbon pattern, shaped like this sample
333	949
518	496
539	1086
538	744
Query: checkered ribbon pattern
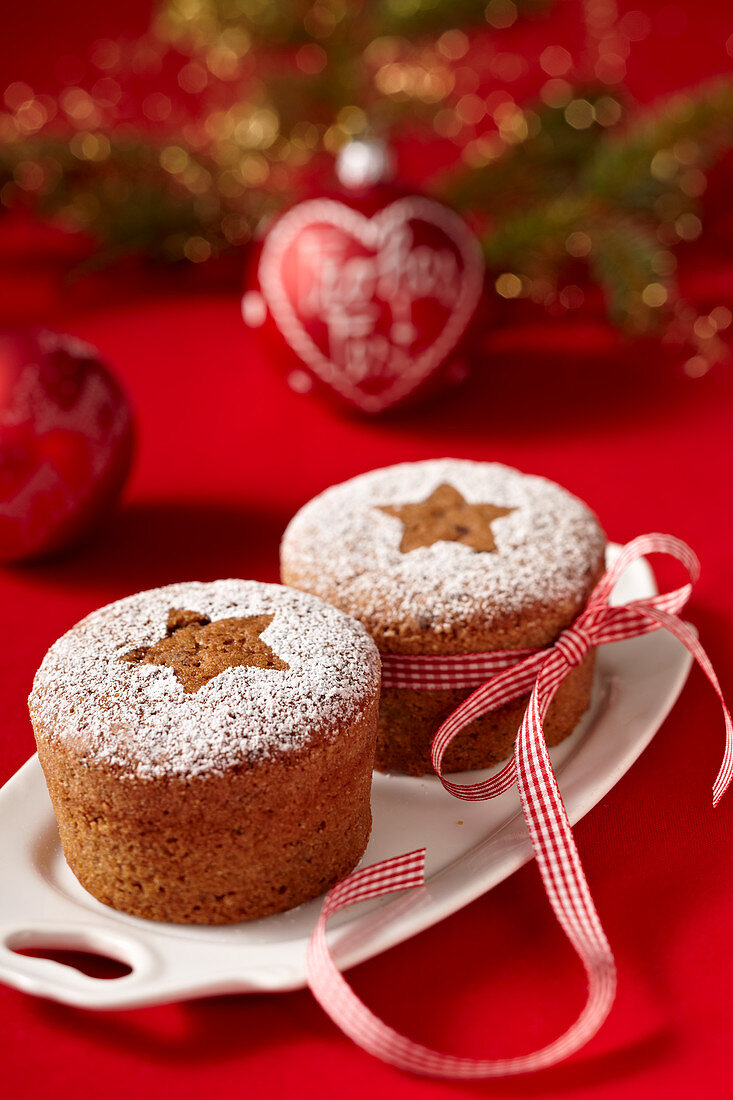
433	673
539	673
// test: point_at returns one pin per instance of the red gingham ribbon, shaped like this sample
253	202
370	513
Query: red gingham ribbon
540	672
462	670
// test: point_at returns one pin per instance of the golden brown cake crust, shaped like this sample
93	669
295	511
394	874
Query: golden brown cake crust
398	549
218	777
220	848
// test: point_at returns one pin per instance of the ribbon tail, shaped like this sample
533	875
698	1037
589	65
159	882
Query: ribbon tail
567	889
689	639
562	873
356	1020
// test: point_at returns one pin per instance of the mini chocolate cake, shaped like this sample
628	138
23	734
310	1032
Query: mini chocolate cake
208	749
445	557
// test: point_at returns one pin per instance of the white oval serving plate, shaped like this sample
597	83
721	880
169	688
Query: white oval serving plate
470	848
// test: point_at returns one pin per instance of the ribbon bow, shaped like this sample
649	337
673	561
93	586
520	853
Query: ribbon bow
540	673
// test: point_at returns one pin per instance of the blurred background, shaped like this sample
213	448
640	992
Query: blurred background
574	137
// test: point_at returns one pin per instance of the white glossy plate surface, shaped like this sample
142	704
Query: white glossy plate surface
470	848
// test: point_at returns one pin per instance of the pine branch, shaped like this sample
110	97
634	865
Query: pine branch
693	129
545	164
294	22
125	197
533	242
622	253
409	18
623	260
601	195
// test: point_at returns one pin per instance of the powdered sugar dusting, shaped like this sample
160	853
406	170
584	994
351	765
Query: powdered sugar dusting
137	717
344	548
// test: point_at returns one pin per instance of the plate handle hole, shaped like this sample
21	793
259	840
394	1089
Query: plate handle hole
92	964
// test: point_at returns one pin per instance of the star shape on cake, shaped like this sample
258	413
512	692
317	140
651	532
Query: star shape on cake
198	649
446	517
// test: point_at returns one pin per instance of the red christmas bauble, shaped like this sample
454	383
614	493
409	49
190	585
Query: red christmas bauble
65	442
368	292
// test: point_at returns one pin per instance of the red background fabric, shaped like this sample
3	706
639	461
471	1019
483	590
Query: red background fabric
226	454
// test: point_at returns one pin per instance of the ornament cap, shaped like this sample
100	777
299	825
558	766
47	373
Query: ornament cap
364	163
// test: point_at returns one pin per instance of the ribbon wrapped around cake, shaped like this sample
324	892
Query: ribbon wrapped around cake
498	678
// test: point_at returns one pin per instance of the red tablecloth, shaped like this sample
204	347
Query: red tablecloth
226	454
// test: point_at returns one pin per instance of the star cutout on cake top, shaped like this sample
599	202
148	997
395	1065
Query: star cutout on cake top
446	517
198	649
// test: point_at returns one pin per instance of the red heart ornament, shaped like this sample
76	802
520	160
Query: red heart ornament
371	305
